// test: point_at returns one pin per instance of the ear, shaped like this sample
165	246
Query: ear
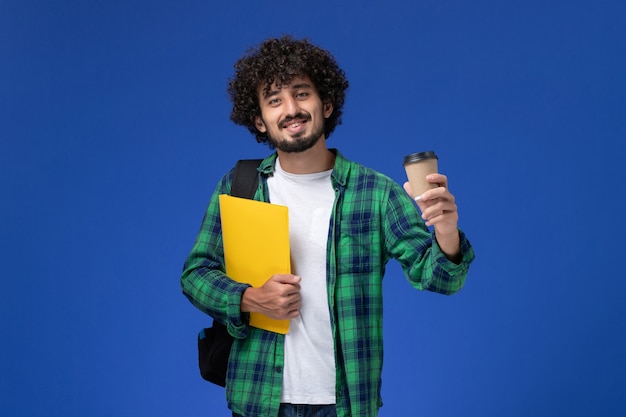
259	124
328	108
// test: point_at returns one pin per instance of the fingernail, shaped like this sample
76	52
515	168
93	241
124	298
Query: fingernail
418	198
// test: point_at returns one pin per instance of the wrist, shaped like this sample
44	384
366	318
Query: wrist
450	245
247	300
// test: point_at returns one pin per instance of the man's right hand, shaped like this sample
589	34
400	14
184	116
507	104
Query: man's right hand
279	298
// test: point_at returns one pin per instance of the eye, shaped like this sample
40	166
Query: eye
302	94
274	101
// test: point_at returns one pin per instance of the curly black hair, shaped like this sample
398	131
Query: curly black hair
278	61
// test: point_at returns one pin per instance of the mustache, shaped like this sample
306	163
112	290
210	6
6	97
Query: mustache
303	116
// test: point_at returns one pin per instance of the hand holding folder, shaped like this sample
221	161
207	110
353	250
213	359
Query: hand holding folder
256	246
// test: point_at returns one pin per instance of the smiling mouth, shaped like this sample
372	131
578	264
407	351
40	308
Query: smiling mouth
295	122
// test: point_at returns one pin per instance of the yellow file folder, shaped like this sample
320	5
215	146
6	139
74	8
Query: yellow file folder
256	246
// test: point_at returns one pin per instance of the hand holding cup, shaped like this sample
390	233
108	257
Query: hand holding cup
430	191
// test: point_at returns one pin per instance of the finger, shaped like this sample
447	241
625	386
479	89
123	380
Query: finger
291	290
293	309
407	188
434	218
296	302
438	194
409	191
438	206
292	314
287	278
432	194
438	179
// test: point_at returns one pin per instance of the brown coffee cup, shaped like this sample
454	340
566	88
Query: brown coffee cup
418	166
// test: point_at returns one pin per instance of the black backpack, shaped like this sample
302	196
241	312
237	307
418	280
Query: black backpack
214	342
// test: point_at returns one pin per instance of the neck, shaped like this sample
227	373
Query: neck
316	159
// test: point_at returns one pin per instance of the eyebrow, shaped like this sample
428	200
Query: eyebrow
271	93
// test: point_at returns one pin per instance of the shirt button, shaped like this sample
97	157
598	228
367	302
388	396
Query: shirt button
279	369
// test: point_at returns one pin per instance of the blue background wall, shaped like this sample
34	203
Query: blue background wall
114	130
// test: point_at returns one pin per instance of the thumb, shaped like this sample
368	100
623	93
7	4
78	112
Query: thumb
287	278
407	188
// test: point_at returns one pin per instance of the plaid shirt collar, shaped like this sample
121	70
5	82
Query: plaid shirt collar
339	175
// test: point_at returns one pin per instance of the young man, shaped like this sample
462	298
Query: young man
346	221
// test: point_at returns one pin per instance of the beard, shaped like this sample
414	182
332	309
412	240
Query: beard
298	143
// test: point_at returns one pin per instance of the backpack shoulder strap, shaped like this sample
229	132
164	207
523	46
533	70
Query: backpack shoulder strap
245	178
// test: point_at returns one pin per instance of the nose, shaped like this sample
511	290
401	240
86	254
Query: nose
291	106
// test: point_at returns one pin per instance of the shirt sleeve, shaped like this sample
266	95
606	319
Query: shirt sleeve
204	281
408	240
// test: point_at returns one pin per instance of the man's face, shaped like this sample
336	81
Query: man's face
293	115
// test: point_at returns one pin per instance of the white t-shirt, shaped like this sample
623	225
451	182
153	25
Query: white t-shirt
309	371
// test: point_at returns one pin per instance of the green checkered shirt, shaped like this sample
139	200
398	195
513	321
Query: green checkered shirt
373	220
